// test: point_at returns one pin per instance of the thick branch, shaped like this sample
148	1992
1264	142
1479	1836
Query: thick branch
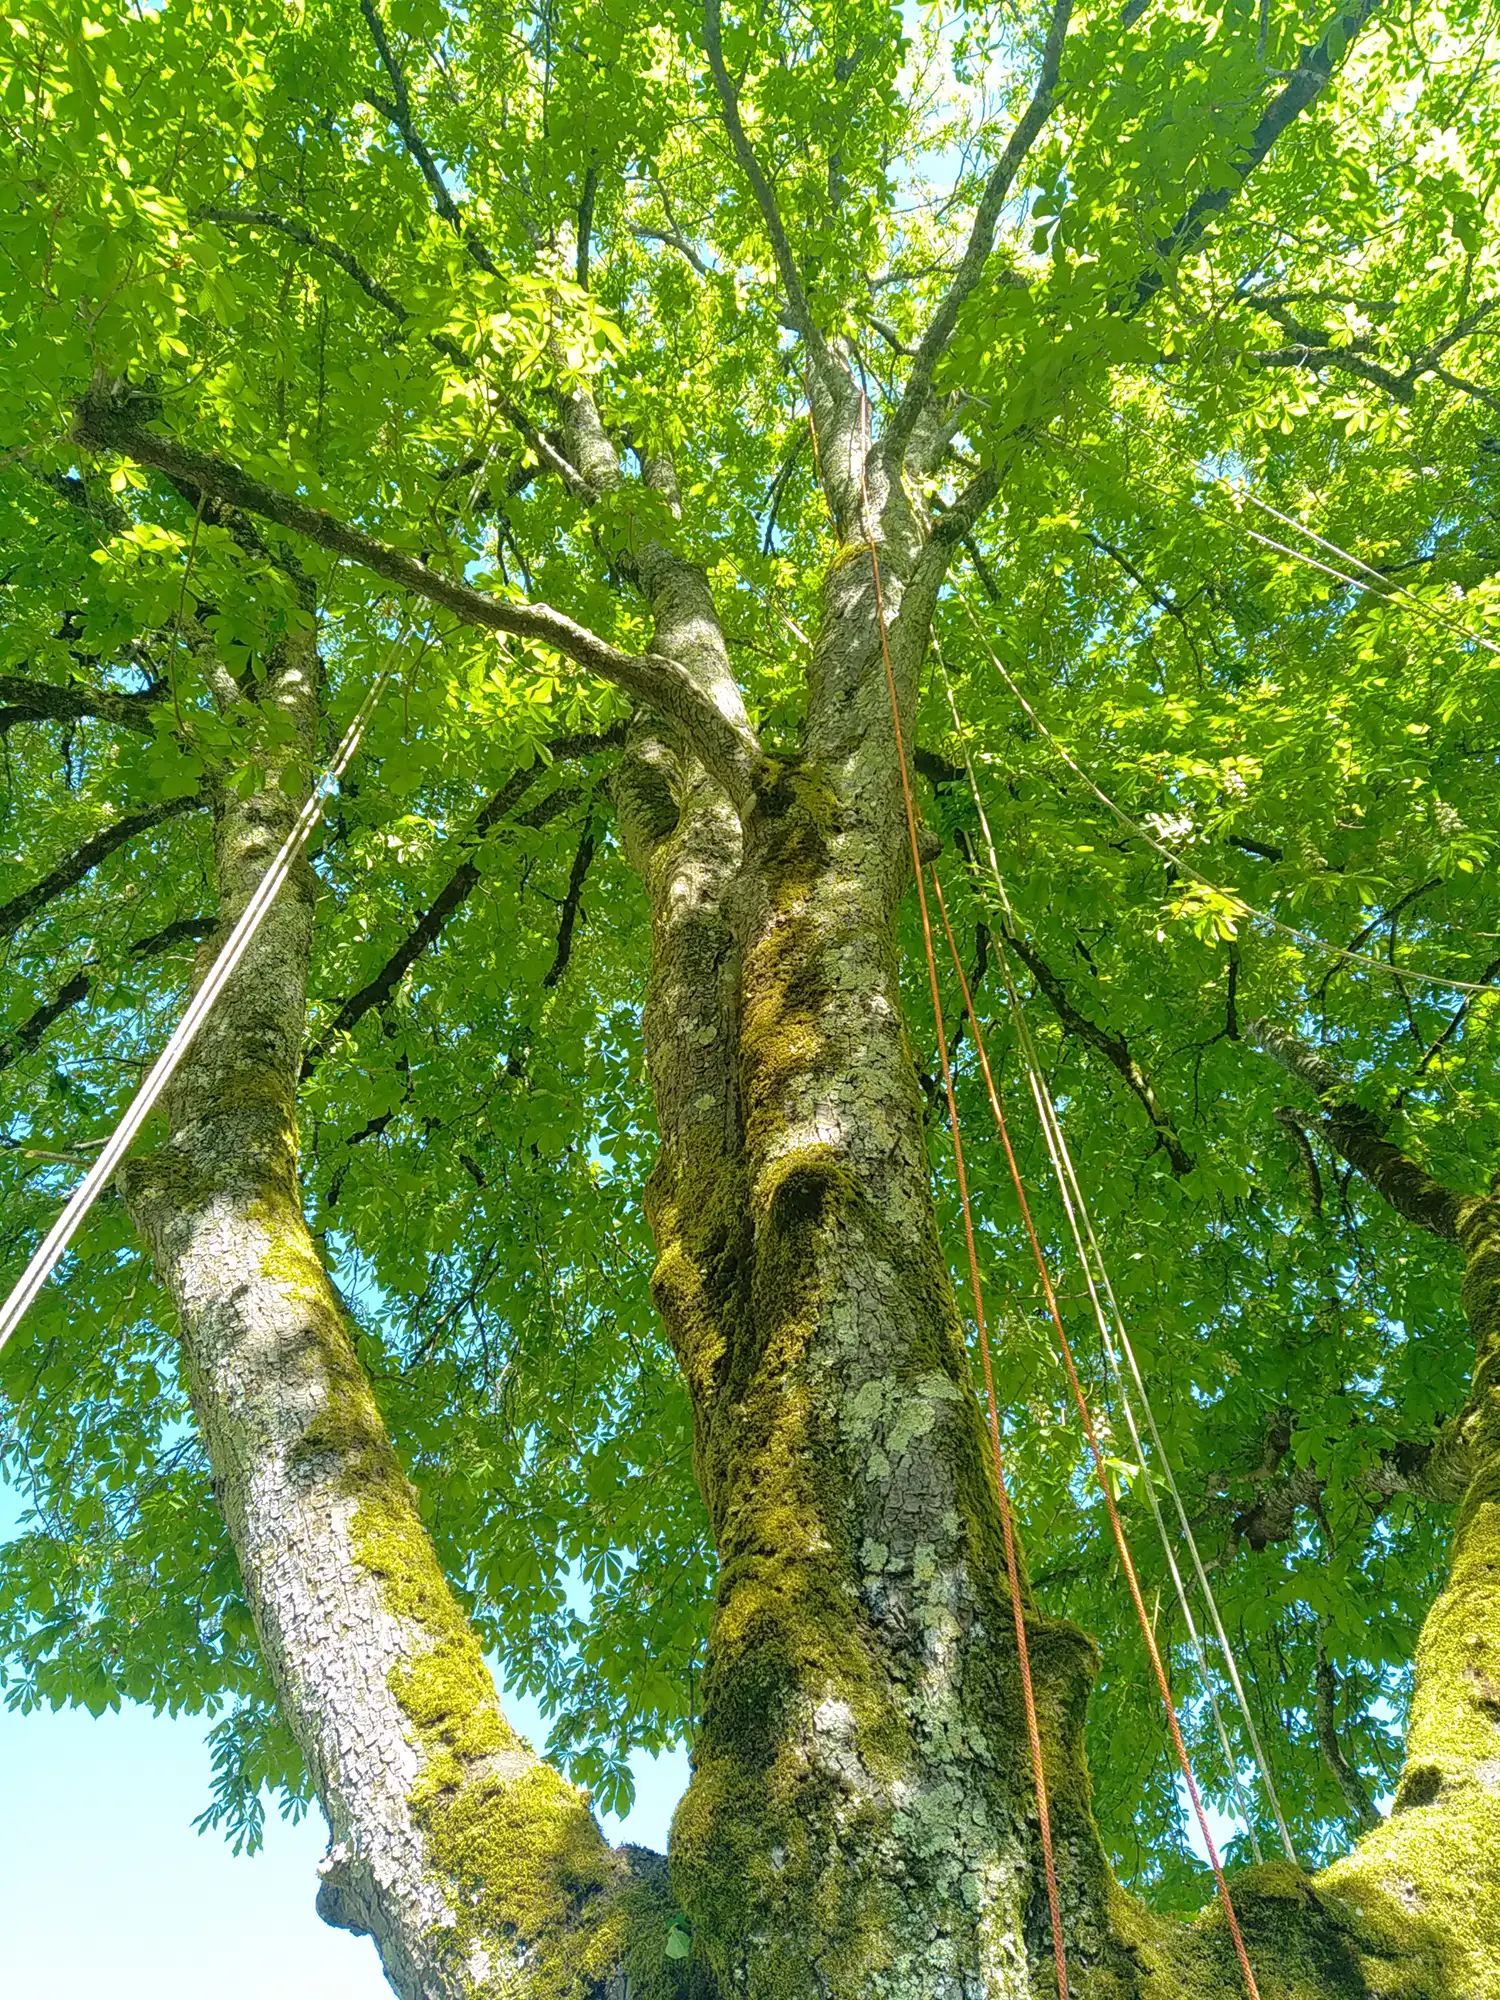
1358	1135
727	745
69	873
1307	83
460	886
981	240
43	701
1114	1048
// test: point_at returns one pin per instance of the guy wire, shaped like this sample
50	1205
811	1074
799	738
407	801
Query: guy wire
1066	1175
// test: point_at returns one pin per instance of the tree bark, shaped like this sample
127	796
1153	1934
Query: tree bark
861	1816
475	1868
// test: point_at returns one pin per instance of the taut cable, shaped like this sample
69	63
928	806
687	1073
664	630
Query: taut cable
1096	1452
49	1251
1007	1525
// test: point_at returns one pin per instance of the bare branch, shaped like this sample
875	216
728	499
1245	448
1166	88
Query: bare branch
568	916
981	241
69	873
586	223
1113	1047
1456	1020
727	744
461	883
675	242
24	1040
73	992
950	531
309	238
1352	1786
299	232
399	114
1467	388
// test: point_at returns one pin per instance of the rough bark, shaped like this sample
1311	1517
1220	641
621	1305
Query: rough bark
861	1817
473	1865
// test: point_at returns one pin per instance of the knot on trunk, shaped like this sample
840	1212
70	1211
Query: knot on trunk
344	1890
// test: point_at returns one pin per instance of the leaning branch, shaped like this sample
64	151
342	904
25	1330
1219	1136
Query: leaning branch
939	332
1358	1136
399	114
1308	81
460	884
69	873
1114	1048
727	745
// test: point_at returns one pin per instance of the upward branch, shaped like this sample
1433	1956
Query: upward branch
727	744
1308	81
381	295
399	114
799	312
981	240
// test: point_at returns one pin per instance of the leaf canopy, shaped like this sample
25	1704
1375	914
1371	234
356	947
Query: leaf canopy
364	255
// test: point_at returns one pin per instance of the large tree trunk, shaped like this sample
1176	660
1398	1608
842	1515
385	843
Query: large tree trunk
861	1818
470	1862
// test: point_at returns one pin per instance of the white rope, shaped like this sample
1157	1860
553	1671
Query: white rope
1071	1192
1387	590
48	1253
1307	939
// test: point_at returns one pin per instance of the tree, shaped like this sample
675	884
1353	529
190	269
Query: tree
656	398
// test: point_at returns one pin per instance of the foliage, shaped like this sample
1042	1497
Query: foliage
221	203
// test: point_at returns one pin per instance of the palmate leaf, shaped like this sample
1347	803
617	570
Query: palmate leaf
476	1145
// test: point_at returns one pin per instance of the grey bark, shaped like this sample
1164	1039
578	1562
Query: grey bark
376	1670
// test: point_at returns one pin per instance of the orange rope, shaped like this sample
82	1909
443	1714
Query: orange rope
1086	1417
1007	1525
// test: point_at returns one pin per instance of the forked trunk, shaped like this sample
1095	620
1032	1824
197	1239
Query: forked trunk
861	1818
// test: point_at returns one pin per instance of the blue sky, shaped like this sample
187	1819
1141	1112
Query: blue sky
107	1889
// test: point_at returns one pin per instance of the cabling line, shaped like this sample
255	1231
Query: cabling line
1007	1524
1087	1246
49	1251
1096	1452
1387	588
1307	939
